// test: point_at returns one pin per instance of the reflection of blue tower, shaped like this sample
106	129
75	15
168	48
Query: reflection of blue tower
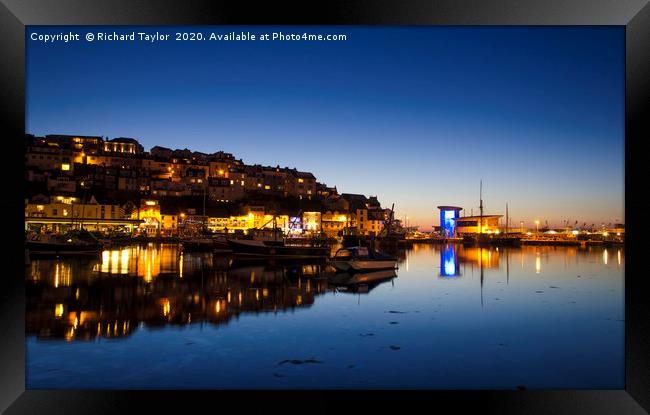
448	216
449	265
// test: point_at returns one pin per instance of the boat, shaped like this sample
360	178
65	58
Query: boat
361	282
481	238
74	243
205	244
360	258
275	249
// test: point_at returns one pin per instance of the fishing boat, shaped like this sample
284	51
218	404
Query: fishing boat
361	258
481	238
275	249
77	243
205	244
271	243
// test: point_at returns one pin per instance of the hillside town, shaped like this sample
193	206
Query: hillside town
115	187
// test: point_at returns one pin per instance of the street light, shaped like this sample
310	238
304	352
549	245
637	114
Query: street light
536	228
521	226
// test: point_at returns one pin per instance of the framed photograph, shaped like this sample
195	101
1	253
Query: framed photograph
426	203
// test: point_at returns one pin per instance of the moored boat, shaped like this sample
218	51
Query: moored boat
359	258
205	244
276	249
52	244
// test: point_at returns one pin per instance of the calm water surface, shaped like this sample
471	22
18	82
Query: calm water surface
450	317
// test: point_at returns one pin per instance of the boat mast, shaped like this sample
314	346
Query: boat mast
480	224
506	218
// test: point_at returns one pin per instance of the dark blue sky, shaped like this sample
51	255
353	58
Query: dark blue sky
414	115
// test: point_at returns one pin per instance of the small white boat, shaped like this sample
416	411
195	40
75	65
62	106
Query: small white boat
359	258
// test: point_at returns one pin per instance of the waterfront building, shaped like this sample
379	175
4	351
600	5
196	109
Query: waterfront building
63	213
168	221
334	223
311	222
148	213
477	224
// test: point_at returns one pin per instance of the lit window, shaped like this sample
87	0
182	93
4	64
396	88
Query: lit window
65	166
300	180
267	187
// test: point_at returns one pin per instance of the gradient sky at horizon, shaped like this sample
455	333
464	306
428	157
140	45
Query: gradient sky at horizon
415	115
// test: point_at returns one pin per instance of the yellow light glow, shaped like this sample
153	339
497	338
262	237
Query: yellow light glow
299	300
265	292
217	307
267	187
605	256
239	298
150	202
300	180
65	166
166	307
40	207
228	296
257	295
220	172
58	310
65	212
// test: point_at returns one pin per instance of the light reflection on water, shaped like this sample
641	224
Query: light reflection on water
462	317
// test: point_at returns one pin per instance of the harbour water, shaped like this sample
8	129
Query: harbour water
451	317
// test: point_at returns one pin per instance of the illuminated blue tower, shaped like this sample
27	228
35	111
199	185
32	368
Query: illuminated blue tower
448	216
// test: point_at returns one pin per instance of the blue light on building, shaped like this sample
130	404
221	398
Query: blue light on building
448	216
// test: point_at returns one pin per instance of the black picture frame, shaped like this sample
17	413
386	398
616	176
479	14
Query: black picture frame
633	14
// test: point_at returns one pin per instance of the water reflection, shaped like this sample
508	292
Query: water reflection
158	285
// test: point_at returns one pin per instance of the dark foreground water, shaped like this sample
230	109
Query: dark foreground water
450	317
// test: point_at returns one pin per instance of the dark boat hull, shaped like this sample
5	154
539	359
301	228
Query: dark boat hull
45	248
254	248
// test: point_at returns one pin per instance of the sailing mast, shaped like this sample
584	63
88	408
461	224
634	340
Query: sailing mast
480	224
506	218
